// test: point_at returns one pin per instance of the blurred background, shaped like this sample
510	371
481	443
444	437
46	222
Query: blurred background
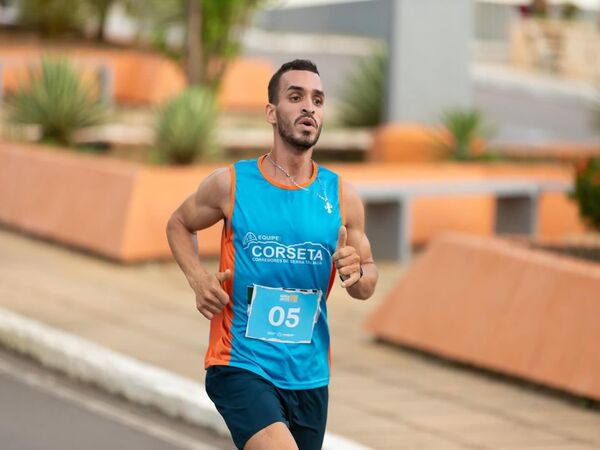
471	129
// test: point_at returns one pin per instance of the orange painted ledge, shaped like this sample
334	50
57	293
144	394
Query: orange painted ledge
109	207
500	306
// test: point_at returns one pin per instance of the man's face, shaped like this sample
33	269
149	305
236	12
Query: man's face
299	111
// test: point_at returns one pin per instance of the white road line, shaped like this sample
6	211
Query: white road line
104	409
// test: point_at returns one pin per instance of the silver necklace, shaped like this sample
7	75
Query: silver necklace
323	197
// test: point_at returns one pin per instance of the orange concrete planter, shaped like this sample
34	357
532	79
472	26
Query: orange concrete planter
500	306
139	77
407	143
143	77
244	85
119	209
108	207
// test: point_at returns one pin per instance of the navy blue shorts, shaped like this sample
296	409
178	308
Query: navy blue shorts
249	403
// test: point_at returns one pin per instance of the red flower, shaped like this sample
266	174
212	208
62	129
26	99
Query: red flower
581	166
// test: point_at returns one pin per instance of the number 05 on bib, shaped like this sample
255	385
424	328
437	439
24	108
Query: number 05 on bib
283	315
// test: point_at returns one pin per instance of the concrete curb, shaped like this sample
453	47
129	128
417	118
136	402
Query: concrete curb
138	382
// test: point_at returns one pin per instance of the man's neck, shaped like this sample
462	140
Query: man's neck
297	163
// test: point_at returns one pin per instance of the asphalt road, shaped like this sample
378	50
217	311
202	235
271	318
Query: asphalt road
41	410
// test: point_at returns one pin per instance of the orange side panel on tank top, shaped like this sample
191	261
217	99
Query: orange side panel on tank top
219	346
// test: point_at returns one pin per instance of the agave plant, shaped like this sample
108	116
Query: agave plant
185	127
464	126
56	99
362	95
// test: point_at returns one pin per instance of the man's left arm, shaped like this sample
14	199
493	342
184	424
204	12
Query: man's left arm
353	253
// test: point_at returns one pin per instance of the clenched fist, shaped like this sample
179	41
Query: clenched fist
210	296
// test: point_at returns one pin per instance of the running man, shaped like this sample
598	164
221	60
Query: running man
289	225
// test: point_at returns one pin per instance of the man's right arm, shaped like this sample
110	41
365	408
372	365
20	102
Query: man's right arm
209	204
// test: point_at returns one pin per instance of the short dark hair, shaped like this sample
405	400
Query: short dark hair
297	64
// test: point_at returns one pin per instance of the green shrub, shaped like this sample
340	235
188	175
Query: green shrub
464	126
185	127
53	17
56	99
587	191
569	11
362	95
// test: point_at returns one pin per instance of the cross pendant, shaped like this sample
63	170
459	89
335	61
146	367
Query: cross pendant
328	207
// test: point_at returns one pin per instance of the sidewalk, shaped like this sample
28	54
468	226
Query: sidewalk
381	396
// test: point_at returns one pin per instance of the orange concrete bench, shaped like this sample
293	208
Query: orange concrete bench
558	214
388	208
500	306
143	77
119	209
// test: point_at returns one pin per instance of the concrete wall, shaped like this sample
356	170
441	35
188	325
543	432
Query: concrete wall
428	44
368	18
429	59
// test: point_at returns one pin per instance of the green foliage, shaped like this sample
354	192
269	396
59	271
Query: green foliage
185	127
465	126
569	11
53	17
57	100
221	24
587	191
362	98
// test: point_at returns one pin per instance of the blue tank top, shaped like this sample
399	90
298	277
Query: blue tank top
278	241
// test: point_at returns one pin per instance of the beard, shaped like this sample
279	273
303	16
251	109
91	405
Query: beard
303	142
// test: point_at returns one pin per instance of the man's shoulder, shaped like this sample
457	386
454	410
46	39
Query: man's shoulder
325	171
245	162
242	165
218	182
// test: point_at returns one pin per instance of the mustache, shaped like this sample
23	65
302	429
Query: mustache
307	116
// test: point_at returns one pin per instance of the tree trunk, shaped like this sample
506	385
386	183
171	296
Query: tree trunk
102	8
194	41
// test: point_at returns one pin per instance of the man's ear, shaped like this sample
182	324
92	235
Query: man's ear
270	113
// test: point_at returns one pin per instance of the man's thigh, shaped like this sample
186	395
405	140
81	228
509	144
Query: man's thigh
276	436
249	404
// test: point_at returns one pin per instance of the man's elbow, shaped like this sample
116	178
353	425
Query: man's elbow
173	223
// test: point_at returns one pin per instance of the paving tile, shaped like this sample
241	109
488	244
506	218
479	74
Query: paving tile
566	445
381	395
506	434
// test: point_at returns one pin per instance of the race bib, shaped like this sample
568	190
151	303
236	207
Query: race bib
283	315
